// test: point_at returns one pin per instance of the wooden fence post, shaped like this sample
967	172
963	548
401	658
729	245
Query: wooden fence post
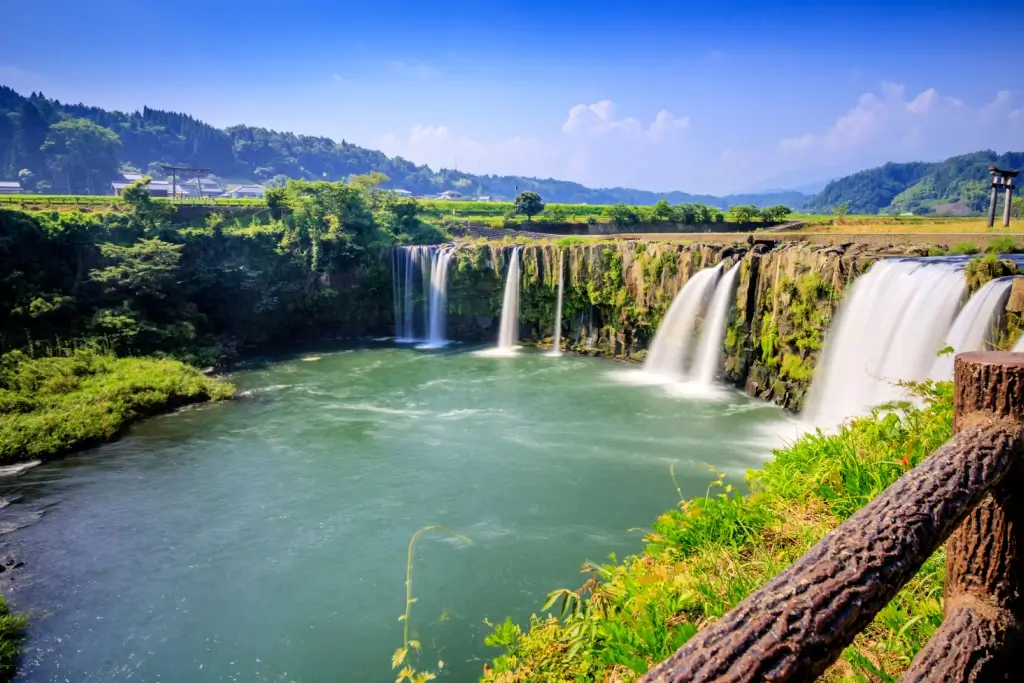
982	632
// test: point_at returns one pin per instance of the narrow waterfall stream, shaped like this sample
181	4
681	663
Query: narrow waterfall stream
709	350
439	296
973	327
508	332
672	342
556	349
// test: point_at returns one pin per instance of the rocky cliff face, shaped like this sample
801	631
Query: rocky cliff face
616	294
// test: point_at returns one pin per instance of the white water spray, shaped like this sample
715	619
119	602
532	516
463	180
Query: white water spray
973	327
709	350
557	348
889	327
508	332
676	332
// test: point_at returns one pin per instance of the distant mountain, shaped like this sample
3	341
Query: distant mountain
958	185
73	148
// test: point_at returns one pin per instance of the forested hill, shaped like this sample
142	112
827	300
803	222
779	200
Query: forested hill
958	185
73	148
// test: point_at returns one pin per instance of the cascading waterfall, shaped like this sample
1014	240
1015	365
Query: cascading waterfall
709	350
508	332
973	327
889	327
412	265
438	305
675	334
557	349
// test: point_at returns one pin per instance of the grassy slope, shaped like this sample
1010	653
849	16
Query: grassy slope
53	405
707	554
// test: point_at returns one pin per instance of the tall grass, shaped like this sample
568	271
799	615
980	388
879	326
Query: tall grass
705	555
403	655
12	634
56	404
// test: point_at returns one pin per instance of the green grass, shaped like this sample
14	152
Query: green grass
705	555
56	404
12	633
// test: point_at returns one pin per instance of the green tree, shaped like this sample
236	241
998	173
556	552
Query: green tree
664	212
841	209
1017	207
528	204
556	214
775	214
744	213
623	215
81	155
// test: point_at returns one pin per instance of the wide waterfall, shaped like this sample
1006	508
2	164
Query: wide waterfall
439	296
889	327
425	267
556	349
675	335
973	327
709	350
508	332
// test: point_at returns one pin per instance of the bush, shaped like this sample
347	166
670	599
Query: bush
1001	245
963	248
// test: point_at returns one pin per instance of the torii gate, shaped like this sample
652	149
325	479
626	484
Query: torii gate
1000	180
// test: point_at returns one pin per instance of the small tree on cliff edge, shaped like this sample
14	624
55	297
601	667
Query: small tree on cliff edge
529	204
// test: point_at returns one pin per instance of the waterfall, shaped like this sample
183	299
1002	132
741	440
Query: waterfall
396	295
675	334
438	305
557	349
407	300
508	333
889	327
709	350
412	265
973	327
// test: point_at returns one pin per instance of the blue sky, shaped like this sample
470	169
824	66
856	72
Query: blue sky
702	97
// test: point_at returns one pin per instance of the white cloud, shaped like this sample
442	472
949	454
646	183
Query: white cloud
890	126
598	119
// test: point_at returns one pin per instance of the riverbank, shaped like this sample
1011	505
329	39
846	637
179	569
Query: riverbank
708	553
12	634
58	404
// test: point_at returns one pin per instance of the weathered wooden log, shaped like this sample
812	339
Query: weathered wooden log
982	632
796	625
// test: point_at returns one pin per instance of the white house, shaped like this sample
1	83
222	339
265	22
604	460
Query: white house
246	192
10	187
450	195
156	188
131	177
404	194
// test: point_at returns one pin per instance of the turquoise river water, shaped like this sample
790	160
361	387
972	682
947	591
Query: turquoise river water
265	539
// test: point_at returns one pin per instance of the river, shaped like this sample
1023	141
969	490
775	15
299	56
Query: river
265	539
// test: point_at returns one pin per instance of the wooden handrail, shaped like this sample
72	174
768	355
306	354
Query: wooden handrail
969	491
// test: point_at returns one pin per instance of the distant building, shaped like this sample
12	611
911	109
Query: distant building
404	194
131	177
484	198
246	192
156	188
10	187
450	195
210	188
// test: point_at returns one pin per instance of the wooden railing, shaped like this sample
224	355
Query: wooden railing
969	494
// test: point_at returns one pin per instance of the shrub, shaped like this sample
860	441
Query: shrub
963	248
